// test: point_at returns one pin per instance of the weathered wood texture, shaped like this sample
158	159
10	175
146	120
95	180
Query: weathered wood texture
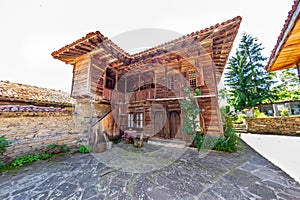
81	79
105	72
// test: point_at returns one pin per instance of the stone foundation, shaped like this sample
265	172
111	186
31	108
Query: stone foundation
274	125
31	132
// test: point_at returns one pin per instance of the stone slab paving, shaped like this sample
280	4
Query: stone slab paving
193	175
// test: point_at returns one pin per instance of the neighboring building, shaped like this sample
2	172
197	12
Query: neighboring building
144	89
16	97
286	51
269	108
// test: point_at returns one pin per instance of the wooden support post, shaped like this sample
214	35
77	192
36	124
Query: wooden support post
166	80
125	90
155	86
91	134
298	69
180	82
139	84
116	85
88	84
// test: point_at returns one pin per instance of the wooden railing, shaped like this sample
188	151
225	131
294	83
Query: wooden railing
140	95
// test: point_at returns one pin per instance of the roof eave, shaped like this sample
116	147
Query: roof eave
285	35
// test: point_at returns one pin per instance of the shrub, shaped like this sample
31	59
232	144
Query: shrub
284	112
46	156
20	161
2	165
197	92
240	118
3	144
258	114
228	142
85	149
198	140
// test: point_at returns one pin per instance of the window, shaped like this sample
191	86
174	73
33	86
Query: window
130	120
135	118
110	79
146	80
139	120
171	82
192	79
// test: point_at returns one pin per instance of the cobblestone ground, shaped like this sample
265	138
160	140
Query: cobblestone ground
241	175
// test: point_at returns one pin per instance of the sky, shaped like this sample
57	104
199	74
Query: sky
31	30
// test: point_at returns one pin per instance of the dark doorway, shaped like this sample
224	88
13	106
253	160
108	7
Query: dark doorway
174	122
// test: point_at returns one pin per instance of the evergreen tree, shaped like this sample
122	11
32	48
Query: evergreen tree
249	84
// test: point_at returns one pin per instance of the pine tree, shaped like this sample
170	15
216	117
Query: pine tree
249	84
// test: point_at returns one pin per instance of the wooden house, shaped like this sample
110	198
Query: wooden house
286	51
144	90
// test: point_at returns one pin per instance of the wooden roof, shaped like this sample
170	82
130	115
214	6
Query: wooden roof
16	92
221	36
286	51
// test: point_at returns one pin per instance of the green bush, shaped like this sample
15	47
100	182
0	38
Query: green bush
2	165
258	114
20	161
46	156
85	149
226	143
198	140
197	92
3	144
284	112
240	118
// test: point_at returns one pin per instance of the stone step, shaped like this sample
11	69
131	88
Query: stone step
239	126
166	142
240	130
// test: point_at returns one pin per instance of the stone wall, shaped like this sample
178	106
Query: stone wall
274	125
30	132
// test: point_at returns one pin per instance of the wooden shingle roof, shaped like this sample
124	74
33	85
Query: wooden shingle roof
16	92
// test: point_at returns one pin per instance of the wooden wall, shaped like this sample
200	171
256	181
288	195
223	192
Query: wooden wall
170	77
80	85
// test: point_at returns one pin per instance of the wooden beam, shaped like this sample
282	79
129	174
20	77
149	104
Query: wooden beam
298	69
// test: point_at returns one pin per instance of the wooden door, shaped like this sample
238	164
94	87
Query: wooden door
174	122
159	123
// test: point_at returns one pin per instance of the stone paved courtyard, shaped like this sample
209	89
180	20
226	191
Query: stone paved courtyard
193	175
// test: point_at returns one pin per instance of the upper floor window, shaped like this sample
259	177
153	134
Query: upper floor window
192	79
171	82
110	79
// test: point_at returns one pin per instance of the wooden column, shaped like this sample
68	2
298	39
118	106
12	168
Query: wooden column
116	85
298	69
155	86
166	80
180	82
139	81
125	90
